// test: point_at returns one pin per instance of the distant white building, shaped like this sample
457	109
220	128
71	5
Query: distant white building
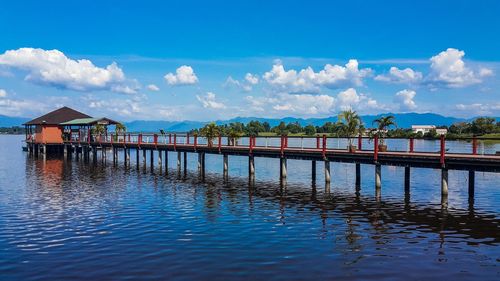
427	128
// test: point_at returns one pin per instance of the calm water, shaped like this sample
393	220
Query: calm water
75	221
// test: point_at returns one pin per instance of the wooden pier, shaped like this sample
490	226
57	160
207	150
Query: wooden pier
95	146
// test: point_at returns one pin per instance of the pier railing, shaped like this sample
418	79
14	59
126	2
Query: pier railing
323	143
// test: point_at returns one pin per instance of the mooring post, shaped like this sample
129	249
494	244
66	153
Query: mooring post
251	166
282	169
199	162
378	176
225	165
472	179
327	172
358	175
313	171
407	178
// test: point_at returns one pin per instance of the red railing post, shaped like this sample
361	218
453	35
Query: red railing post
139	139
286	141
324	146
195	141
175	141
129	137
411	145
360	142
219	142
187	138
88	135
251	145
375	149
156	139
474	145
442	149
282	146
169	138
317	142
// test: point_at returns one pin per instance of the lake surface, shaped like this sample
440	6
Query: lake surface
70	220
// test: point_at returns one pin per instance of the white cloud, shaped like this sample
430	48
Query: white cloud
306	80
52	67
351	99
3	93
184	75
304	104
153	87
449	69
480	108
251	79
404	76
245	85
209	101
405	101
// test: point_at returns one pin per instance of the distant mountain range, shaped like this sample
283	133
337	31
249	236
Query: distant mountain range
7	121
404	120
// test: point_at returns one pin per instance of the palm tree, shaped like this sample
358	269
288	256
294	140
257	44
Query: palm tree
119	129
234	134
351	125
210	132
383	123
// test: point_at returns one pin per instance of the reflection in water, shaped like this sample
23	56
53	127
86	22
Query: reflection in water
71	220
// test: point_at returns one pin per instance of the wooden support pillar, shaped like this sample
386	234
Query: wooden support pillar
225	168
65	151
407	178
282	169
313	171
358	175
251	166
179	160
137	158
185	163
327	172
166	161
444	182
378	176
160	159
77	153
144	157
152	159
203	165
199	162
472	179
126	156
94	154
114	155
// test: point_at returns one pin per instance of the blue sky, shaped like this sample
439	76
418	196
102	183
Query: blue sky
199	60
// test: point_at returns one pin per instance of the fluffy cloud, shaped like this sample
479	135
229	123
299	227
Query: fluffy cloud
3	93
351	99
480	108
209	101
251	79
396	75
405	101
306	80
449	69
310	105
184	75
52	67
245	85
153	87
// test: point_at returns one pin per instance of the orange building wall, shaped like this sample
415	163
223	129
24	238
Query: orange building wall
48	134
